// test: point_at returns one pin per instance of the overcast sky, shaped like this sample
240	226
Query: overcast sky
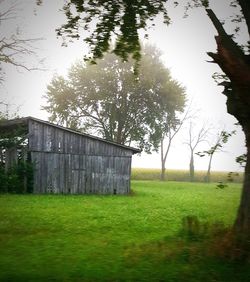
184	45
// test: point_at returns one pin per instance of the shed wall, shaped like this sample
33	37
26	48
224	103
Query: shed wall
67	162
46	138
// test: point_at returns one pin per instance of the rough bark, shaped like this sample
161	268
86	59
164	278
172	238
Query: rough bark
236	65
242	223
245	7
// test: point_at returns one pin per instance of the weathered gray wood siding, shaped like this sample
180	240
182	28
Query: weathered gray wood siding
67	162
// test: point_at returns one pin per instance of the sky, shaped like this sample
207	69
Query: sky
184	44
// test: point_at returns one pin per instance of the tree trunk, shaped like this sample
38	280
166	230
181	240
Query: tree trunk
164	158
163	169
236	65
191	167
119	133
242	223
209	169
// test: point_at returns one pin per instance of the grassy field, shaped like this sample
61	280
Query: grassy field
115	238
183	175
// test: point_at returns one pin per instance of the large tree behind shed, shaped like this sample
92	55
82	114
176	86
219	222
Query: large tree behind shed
109	100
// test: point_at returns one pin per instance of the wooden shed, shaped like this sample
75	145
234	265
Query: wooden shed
66	161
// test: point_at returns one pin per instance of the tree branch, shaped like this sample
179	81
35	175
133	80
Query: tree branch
245	7
224	37
13	48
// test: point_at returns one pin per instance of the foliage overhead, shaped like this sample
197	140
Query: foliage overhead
107	99
122	19
120	22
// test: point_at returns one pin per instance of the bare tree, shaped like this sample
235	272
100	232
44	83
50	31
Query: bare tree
14	48
195	137
173	126
222	138
8	110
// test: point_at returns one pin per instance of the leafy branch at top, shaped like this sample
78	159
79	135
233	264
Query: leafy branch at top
242	159
120	19
222	138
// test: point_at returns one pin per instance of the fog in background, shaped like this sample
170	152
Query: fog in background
184	45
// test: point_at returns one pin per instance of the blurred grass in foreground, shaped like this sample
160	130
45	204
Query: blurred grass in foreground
117	238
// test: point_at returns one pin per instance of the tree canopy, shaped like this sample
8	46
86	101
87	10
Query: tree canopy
121	18
109	100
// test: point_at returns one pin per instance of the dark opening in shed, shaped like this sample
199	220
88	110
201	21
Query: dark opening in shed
65	161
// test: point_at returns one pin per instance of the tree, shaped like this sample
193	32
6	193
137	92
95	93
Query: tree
241	160
171	129
16	169
221	139
13	48
195	137
124	18
8	110
107	99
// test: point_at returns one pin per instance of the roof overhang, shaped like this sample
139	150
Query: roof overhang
11	125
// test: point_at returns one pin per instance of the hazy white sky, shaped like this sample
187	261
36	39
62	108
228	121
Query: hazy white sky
184	45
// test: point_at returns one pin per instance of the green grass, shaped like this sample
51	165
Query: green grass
115	238
183	175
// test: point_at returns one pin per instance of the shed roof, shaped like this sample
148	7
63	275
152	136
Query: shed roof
14	123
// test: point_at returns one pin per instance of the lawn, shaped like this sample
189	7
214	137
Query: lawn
115	238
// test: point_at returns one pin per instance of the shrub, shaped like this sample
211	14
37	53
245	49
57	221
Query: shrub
217	239
18	179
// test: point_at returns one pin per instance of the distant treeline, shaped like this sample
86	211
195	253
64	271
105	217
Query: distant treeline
183	175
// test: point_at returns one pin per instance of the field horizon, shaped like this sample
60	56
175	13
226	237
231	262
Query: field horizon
182	175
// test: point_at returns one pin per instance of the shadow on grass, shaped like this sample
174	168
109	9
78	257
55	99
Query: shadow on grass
199	252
